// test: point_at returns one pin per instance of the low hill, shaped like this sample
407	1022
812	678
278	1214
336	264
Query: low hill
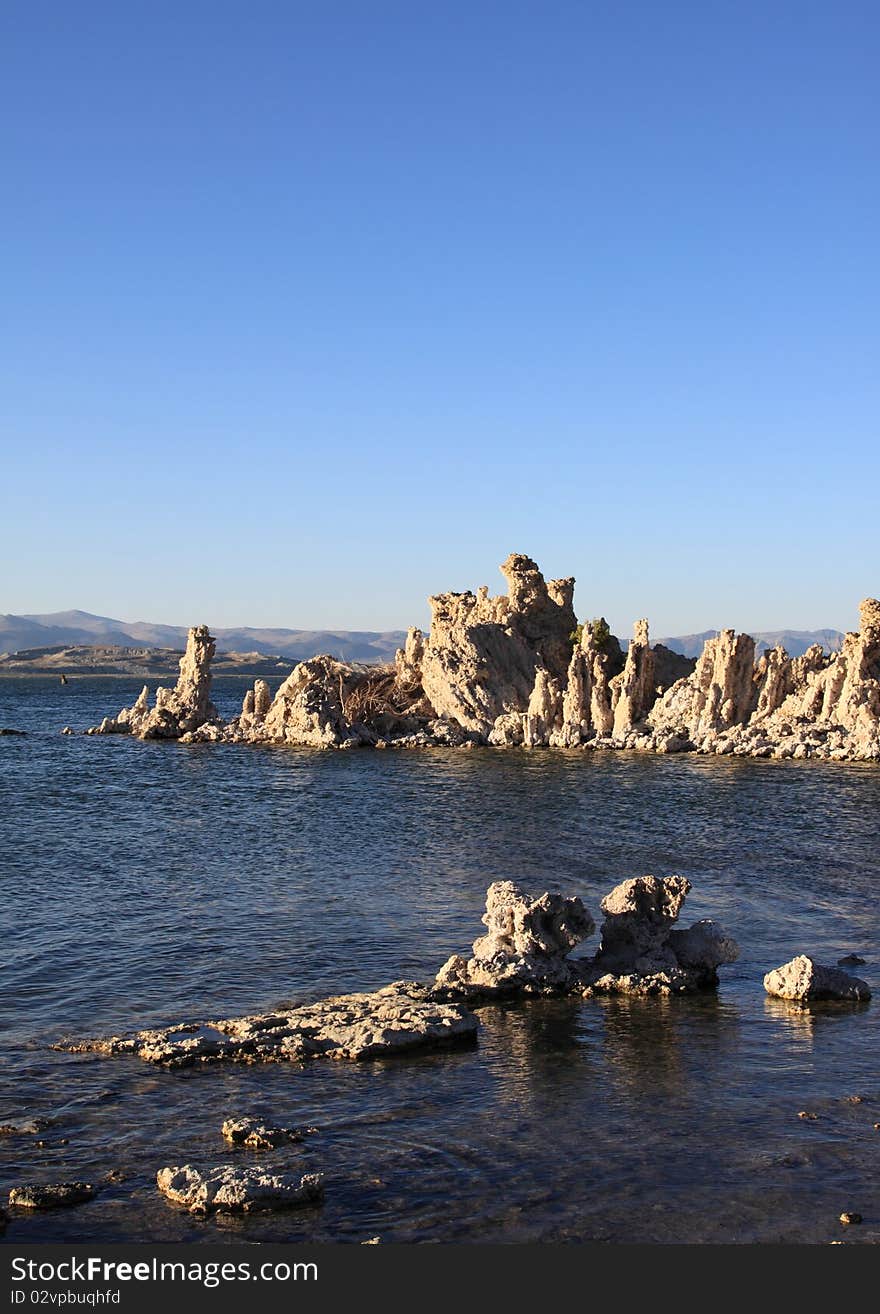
70	629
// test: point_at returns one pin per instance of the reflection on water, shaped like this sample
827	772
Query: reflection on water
800	1021
145	883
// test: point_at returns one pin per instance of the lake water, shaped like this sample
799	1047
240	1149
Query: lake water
143	883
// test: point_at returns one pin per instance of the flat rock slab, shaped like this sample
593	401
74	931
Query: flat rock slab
397	1019
257	1136
52	1195
804	979
230	1190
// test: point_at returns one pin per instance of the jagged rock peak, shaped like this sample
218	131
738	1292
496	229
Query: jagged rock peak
869	615
525	949
482	656
178	711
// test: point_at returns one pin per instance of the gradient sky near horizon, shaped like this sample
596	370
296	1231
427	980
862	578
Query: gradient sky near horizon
310	310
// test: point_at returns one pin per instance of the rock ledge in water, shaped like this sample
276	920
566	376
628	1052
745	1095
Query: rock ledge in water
397	1019
226	1189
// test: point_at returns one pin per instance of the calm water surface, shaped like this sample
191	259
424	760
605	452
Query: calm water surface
142	883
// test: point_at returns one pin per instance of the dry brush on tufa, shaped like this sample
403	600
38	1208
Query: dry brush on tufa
517	670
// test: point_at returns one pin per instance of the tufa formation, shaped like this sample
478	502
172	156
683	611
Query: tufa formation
517	670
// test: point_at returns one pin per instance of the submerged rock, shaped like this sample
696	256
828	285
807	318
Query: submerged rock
257	1136
232	1190
26	1127
525	949
397	1019
804	979
51	1195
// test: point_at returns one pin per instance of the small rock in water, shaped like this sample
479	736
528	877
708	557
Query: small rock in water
257	1136
372	1241
51	1195
805	980
855	1099
226	1189
851	960
849	1218
7	731
68	730
807	1116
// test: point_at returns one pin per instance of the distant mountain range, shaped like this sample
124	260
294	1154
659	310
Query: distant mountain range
70	629
795	642
78	628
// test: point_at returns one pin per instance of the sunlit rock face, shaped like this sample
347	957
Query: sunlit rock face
483	653
525	948
178	711
819	705
804	980
517	670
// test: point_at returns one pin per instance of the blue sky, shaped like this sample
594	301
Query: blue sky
313	309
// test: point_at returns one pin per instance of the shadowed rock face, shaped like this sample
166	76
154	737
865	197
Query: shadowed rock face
255	1135
642	953
51	1195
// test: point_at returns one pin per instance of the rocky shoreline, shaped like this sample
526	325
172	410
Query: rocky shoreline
518	670
525	953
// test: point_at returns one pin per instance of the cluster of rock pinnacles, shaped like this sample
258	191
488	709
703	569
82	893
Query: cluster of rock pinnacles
518	670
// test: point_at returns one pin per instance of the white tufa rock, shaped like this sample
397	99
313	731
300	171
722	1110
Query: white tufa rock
231	1190
525	949
804	979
